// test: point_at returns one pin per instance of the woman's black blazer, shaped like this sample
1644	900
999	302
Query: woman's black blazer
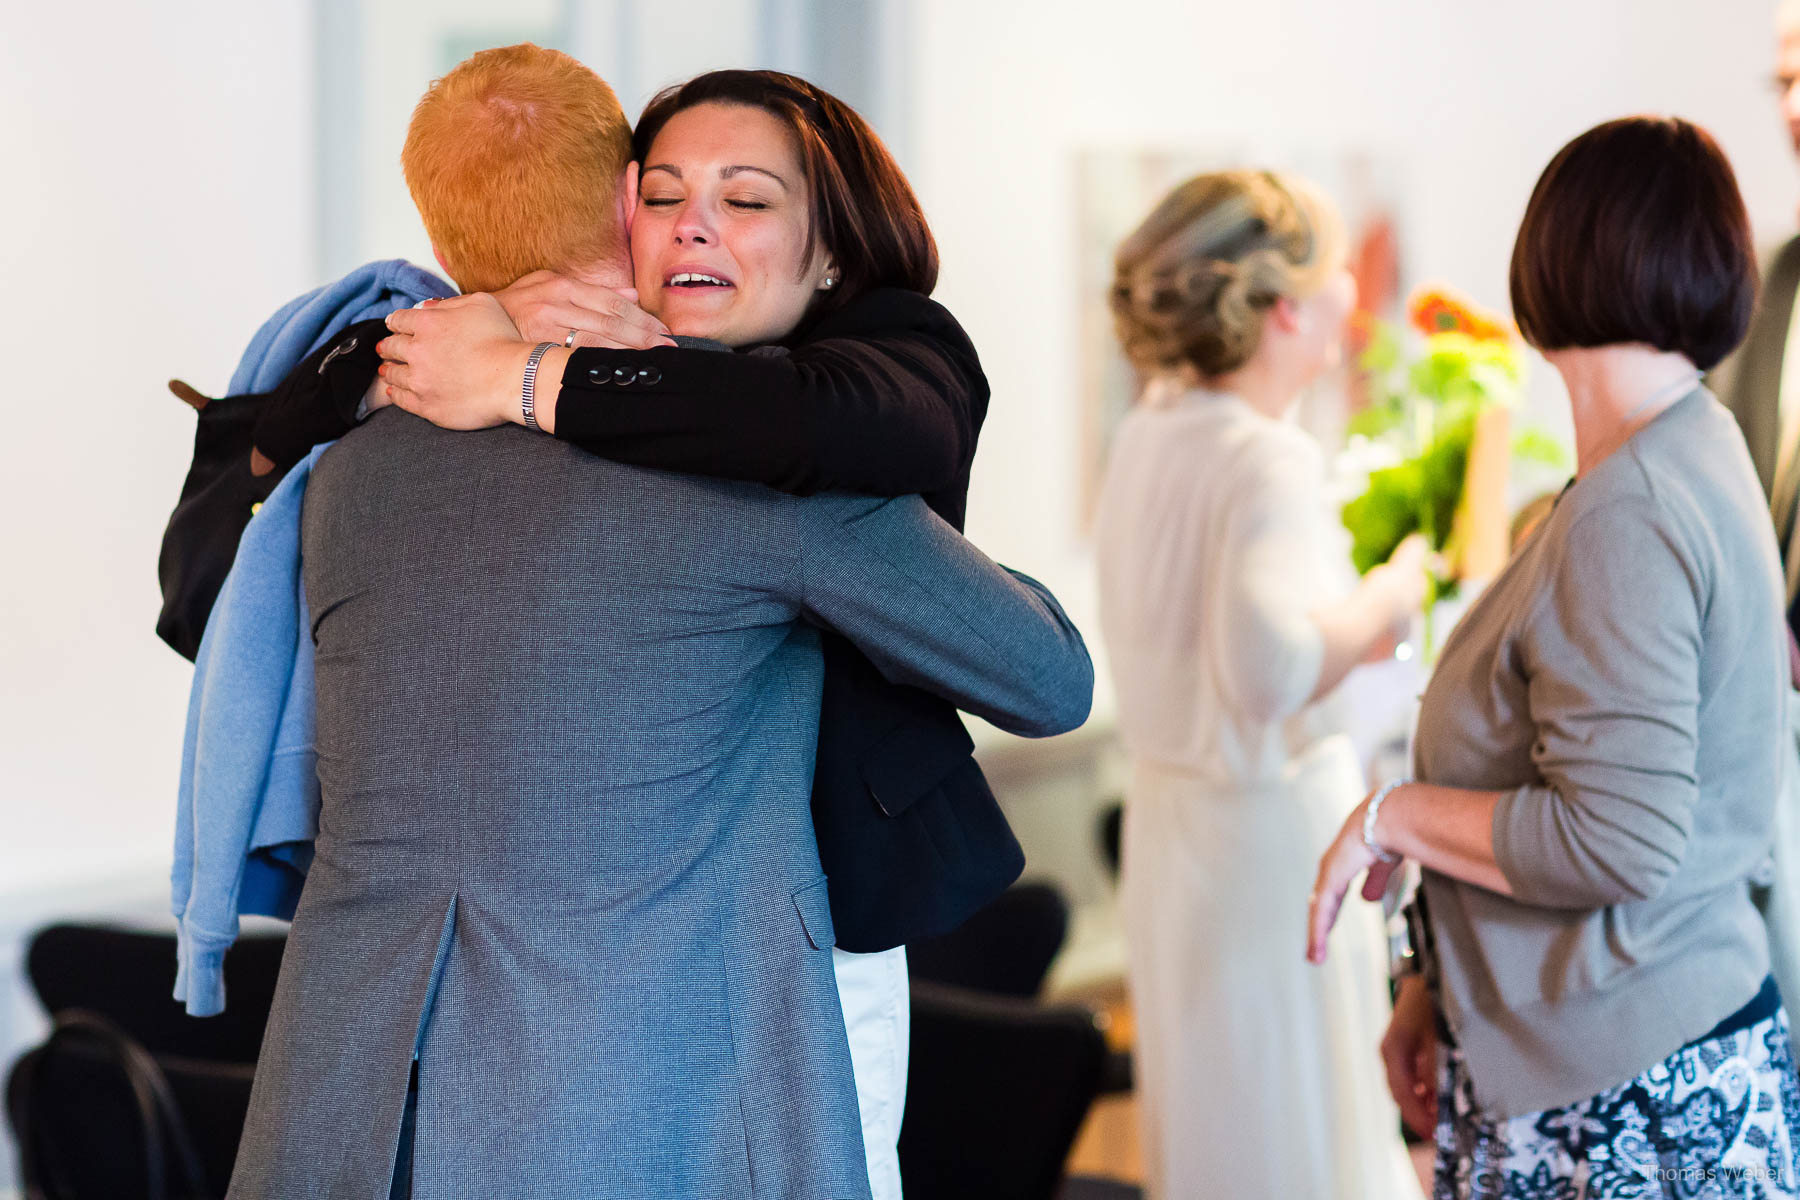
884	396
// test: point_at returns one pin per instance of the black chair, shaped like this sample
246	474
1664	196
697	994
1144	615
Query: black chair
97	1117
1112	827
128	976
129	1092
1095	1187
1005	949
997	1092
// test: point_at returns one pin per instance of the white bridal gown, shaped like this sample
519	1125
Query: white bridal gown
1258	1074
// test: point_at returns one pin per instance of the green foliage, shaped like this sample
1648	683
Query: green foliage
1457	372
1429	406
1419	495
1379	418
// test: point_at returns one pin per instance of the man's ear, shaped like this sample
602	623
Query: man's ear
628	196
444	266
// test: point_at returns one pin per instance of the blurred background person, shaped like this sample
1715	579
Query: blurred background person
1229	617
1760	383
1599	750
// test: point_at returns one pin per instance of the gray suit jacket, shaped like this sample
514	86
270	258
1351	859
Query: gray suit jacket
567	713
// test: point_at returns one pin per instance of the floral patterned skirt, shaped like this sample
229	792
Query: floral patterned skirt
1717	1119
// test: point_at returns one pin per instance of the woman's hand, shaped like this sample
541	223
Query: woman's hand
1348	857
547	307
1409	1050
459	363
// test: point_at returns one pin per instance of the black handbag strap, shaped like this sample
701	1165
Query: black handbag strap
159	1116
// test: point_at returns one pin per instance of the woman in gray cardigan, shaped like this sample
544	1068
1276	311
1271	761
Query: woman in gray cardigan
1599	748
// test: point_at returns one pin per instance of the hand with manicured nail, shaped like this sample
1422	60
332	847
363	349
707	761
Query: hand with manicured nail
546	307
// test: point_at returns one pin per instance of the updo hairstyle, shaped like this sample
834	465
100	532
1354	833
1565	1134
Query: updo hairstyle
1193	284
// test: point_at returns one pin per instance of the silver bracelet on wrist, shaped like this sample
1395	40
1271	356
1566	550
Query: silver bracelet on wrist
1369	815
528	402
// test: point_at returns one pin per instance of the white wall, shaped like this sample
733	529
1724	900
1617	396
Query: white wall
1473	98
157	207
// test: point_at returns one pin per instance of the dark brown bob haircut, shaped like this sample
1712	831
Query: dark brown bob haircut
863	211
1636	232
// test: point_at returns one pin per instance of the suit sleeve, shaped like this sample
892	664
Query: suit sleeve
885	400
931	611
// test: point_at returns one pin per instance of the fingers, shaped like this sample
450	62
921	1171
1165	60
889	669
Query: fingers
1414	1097
626	328
1409	1055
1425	1069
572	296
1396	1061
626	334
393	347
411	320
1327	899
610	331
629	311
1376	881
397	375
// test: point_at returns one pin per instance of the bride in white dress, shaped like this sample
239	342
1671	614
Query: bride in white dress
1230	615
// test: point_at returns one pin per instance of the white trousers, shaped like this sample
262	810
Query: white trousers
872	989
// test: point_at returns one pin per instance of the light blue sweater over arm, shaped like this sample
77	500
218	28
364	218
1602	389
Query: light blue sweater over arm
247	809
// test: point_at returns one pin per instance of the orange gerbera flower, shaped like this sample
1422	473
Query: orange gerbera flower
1439	310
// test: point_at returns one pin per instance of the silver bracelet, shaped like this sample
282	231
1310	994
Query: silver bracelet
528	404
1369	815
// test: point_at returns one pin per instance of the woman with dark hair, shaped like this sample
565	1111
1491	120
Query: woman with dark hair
769	219
1599	749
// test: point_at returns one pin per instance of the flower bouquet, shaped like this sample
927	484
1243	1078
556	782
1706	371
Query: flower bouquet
1441	418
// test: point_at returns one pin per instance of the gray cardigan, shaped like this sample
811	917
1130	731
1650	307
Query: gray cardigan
1624	680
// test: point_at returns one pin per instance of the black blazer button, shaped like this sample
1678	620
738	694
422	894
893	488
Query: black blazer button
649	376
599	378
624	376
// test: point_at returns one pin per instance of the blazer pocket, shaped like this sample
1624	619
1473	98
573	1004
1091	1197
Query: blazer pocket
813	902
912	760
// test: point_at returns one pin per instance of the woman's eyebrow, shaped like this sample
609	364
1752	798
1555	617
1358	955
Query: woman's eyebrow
724	172
728	172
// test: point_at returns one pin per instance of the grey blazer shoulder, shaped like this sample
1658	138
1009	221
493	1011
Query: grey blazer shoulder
567	713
